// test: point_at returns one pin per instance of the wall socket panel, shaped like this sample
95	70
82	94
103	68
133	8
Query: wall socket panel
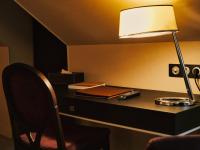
174	70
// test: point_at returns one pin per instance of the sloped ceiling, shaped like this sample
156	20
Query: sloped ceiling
97	21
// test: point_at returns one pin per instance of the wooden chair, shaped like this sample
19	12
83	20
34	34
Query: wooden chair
188	142
34	115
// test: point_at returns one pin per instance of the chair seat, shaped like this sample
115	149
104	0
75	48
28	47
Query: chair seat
187	142
76	138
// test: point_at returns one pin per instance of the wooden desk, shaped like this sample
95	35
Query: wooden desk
137	113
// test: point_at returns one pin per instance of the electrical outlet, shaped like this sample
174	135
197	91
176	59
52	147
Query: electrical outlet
196	70
175	71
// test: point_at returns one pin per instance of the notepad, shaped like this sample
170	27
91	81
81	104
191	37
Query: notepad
85	85
108	92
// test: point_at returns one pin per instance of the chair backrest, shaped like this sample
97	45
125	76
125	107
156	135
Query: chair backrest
31	101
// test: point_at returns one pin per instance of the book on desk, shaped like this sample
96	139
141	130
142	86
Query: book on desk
108	92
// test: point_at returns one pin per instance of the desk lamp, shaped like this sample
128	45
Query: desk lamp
155	20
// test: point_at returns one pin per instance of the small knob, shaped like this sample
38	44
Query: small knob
72	108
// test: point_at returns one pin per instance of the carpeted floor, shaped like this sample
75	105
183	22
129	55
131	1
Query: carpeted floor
5	143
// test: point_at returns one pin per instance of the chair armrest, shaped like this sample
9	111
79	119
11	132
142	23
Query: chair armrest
189	142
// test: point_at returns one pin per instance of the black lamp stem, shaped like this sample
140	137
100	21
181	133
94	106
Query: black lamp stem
182	67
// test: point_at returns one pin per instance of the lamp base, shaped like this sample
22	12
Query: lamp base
174	101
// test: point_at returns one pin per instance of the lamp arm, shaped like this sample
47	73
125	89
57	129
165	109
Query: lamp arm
182	67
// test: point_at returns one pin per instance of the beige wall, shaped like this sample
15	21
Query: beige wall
16	32
4	118
143	65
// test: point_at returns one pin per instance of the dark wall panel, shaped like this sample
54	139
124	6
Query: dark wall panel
50	54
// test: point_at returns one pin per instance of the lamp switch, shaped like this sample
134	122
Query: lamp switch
175	71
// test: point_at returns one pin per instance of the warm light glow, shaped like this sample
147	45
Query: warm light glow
147	21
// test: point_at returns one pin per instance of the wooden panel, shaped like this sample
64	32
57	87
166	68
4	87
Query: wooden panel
5	129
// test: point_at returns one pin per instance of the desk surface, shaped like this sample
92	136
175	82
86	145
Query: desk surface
138	112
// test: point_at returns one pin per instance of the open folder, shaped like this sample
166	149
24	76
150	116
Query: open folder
108	92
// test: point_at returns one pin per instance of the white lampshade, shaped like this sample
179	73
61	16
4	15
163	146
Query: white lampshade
147	21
